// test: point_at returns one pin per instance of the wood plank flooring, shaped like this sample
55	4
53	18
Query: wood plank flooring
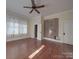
21	49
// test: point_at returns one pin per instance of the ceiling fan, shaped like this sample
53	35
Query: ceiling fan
34	7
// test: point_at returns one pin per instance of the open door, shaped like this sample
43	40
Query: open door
35	30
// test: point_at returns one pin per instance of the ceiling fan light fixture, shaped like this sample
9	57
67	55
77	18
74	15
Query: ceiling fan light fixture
34	7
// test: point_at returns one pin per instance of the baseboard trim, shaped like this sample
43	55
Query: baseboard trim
53	40
15	39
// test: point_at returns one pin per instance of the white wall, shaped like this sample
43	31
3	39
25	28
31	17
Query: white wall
65	25
33	21
19	17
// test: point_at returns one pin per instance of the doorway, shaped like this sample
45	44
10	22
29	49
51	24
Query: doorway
35	30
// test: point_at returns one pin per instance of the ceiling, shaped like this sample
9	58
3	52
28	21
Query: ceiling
51	6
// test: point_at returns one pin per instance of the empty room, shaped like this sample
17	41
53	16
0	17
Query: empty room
39	29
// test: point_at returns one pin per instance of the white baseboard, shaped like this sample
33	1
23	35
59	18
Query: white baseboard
17	38
59	41
53	40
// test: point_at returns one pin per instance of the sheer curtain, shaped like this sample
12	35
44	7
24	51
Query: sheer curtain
15	27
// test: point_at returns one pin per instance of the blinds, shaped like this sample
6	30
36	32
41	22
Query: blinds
15	27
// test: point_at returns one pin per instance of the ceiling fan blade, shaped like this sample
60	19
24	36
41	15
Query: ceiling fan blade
31	11
40	6
27	7
37	11
33	2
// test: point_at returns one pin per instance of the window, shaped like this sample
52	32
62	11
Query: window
10	28
23	29
15	28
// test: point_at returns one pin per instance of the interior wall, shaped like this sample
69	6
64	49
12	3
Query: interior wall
33	21
64	18
65	21
9	15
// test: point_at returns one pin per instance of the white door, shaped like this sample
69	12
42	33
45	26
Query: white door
68	31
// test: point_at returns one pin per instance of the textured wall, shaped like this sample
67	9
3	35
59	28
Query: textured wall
51	28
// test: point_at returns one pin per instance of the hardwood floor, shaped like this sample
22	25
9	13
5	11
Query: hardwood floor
21	49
